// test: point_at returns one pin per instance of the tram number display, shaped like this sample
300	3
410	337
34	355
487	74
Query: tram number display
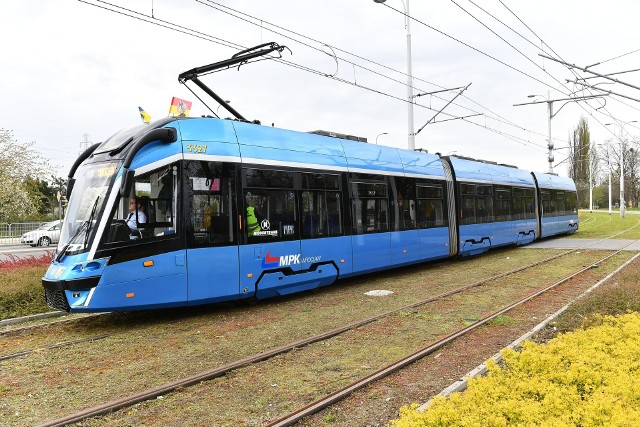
196	148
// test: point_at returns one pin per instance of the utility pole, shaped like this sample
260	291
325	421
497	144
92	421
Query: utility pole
411	143
622	148
85	143
551	115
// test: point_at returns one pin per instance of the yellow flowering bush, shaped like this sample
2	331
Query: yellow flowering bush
584	378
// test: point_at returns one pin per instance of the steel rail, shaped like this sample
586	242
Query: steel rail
341	394
219	371
53	346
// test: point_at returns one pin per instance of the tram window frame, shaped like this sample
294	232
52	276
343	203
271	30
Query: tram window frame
274	195
502	203
370	206
321	210
431	197
467	203
210	204
149	190
561	203
572	203
549	203
403	212
484	204
523	200
476	203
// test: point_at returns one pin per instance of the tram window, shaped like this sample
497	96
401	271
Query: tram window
560	203
468	204
548	203
404	212
484	204
370	207
149	212
267	178
469	189
503	204
477	203
321	206
210	204
572	203
430	207
523	203
269	213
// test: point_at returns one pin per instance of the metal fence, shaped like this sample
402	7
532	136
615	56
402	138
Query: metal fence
10	232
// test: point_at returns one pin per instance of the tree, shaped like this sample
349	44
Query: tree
43	192
17	163
583	160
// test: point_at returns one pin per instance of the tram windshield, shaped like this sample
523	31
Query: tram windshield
86	205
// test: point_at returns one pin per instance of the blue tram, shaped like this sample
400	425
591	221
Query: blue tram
188	211
237	210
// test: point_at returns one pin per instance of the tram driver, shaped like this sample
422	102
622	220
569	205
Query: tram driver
136	217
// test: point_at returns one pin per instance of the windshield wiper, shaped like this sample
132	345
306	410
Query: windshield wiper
90	222
84	226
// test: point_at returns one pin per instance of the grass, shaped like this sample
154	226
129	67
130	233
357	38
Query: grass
210	336
21	291
599	225
620	295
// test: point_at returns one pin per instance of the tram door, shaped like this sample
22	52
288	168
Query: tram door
371	240
270	229
147	241
211	231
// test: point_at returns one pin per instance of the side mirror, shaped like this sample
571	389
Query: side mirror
127	182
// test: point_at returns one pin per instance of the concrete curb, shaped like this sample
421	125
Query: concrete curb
481	369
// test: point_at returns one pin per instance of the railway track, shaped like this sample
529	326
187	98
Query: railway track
341	394
222	370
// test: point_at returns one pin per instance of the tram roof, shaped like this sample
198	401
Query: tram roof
554	182
482	171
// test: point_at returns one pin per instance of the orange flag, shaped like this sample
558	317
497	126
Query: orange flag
179	107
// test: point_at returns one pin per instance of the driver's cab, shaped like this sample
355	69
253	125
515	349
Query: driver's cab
148	212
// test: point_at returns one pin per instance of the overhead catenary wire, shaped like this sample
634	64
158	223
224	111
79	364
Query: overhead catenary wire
206	37
224	9
226	43
498	60
497	118
558	56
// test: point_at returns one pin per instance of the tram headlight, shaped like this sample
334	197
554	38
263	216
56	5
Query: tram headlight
90	266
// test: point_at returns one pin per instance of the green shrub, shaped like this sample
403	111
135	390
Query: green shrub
583	378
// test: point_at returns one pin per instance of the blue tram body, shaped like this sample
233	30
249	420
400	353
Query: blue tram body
236	210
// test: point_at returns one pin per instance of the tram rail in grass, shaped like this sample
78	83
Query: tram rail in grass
320	404
163	389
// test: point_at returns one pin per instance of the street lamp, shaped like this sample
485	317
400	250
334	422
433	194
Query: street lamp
383	133
622	125
411	144
550	102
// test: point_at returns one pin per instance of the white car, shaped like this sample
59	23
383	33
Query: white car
44	235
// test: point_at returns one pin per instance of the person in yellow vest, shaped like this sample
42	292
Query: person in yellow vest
252	221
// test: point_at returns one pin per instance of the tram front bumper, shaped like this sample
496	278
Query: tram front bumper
59	293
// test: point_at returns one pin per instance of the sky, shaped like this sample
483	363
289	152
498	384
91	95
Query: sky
75	71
